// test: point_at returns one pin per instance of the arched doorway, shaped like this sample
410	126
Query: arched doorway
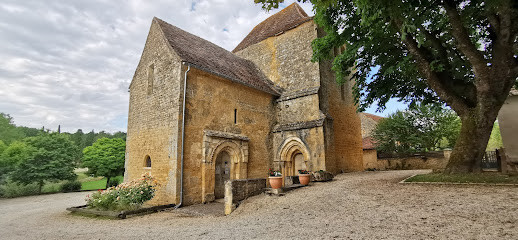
293	156
222	173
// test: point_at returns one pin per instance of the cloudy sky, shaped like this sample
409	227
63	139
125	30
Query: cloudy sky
70	63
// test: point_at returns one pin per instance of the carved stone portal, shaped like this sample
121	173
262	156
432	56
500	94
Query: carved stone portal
221	143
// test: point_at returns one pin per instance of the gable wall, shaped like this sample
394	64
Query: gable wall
211	101
285	59
153	118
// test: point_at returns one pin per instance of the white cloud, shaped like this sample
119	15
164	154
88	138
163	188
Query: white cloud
71	62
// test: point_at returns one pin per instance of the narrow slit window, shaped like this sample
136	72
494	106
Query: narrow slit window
147	162
235	116
150	78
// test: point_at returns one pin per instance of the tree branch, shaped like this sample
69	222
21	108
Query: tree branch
463	41
436	80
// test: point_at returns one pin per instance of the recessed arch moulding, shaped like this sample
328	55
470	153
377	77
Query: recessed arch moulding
214	143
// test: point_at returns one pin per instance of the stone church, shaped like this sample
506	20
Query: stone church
200	115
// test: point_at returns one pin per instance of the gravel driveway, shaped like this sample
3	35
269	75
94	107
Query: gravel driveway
364	205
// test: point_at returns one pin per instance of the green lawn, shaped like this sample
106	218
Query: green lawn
96	183
465	178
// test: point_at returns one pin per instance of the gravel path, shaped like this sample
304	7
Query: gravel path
364	205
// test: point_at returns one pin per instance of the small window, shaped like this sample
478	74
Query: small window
150	78
235	116
147	163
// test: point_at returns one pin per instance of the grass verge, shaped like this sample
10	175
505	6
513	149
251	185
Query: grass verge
465	178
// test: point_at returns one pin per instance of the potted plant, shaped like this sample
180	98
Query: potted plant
275	179
304	177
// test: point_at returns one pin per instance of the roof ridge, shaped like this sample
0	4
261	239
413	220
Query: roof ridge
211	58
284	20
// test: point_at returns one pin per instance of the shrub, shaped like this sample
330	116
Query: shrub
71	186
12	189
126	196
114	182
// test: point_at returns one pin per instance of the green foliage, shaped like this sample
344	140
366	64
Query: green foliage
465	178
126	196
71	186
85	140
49	158
418	129
114	182
12	189
105	157
3	146
8	131
13	155
495	140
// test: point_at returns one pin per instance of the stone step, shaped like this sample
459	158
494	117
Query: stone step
281	191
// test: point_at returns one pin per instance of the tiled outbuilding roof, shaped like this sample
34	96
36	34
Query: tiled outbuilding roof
368	143
289	18
373	117
211	58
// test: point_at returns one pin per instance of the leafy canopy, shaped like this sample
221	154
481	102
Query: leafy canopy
46	157
417	129
105	157
374	33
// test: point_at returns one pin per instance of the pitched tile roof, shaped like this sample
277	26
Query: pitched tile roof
376	118
211	58
290	17
368	143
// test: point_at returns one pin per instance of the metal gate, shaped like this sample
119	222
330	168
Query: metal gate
490	160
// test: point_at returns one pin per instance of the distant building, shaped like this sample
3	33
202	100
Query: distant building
370	155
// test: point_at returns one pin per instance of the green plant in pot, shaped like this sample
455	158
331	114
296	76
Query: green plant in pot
275	178
304	177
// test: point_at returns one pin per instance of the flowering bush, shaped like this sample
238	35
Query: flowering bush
303	172
274	173
125	196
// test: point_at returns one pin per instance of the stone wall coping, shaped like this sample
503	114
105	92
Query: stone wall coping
212	133
299	125
247	179
297	94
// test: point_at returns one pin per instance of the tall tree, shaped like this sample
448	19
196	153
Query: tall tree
8	131
462	53
46	157
417	129
105	158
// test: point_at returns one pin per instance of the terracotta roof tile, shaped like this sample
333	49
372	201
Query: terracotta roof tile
290	17
373	117
209	57
368	143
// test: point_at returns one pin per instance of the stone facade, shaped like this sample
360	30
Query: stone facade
508	122
264	106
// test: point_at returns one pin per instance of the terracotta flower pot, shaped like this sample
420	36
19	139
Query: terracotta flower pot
275	182
304	179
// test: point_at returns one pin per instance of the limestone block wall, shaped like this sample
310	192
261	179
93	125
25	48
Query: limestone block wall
343	133
298	106
508	122
153	117
241	189
212	104
433	160
286	58
311	146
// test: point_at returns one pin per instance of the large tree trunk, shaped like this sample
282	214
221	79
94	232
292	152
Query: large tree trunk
472	142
